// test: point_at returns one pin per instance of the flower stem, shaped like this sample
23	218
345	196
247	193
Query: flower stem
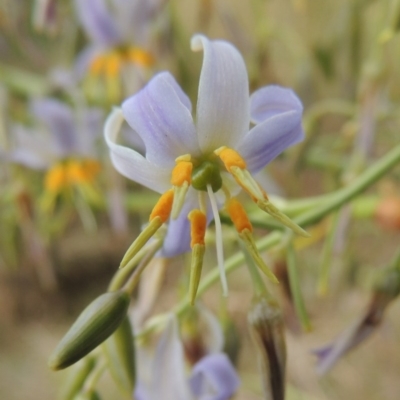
294	282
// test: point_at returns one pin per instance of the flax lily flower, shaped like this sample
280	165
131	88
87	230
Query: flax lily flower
120	36
200	165
64	147
163	375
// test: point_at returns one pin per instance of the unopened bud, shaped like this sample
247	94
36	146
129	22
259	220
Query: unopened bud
119	350
95	324
267	329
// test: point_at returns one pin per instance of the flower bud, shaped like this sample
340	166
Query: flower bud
267	329
119	350
95	324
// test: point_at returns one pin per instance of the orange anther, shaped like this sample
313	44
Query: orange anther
140	57
56	178
238	216
92	168
97	65
231	158
163	207
182	173
112	64
198	226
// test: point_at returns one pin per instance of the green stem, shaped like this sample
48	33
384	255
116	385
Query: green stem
327	257
260	289
294	282
342	196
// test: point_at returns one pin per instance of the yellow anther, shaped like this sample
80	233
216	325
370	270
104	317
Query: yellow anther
198	226
238	215
163	207
55	178
76	172
230	158
140	57
182	173
112	64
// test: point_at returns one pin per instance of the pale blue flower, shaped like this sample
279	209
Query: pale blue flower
163	375
113	25
257	127
59	133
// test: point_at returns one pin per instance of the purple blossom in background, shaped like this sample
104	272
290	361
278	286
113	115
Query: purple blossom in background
115	25
162	376
65	134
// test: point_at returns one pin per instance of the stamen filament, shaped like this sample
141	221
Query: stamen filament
141	240
195	270
219	243
202	202
247	182
179	199
180	179
251	247
158	216
269	208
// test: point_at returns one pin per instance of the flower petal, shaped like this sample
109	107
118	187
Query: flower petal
84	60
60	121
270	138
160	114
223	98
90	124
214	378
272	100
211	331
135	18
129	162
168	380
98	22
32	149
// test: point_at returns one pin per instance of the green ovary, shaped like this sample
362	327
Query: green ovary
207	173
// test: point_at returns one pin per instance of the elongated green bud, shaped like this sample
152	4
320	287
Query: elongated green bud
267	329
95	324
76	378
119	350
